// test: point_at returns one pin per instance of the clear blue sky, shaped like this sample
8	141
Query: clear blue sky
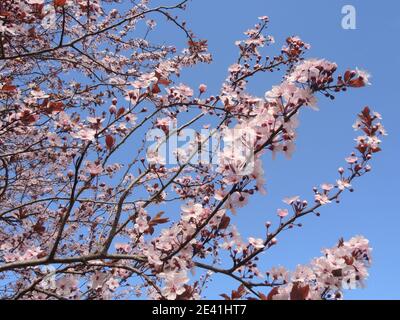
325	137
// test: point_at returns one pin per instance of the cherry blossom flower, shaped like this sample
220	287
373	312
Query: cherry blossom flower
237	200
153	256
363	75
343	184
98	280
174	283
322	199
202	88
67	286
192	211
235	68
282	213
86	134
141	223
327	187
151	23
340	268
291	200
94	169
145	80
257	243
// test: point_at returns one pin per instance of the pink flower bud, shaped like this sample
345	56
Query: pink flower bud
202	88
112	109
283	213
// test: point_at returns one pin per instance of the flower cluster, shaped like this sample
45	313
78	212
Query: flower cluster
342	267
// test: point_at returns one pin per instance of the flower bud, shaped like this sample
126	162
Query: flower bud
202	88
112	109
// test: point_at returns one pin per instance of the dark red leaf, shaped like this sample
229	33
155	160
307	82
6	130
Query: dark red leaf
272	293
357	83
120	112
155	89
299	292
110	141
60	3
224	222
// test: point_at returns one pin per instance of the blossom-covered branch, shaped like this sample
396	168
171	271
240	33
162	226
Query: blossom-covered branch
101	144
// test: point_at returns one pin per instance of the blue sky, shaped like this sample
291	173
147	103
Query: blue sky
325	137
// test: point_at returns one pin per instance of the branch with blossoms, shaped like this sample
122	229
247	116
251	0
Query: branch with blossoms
344	275
88	192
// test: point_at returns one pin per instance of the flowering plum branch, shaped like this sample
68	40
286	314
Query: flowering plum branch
89	196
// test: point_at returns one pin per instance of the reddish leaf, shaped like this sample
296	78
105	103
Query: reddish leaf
5	13
272	293
263	296
366	112
347	75
155	89
55	107
298	292
120	112
110	141
60	3
158	219
224	222
149	230
8	88
163	81
187	294
39	228
28	118
240	292
357	83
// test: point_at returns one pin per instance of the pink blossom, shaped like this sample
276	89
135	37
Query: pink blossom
257	243
153	256
141	223
124	247
351	160
282	213
93	168
327	186
144	81
202	88
192	211
322	199
174	284
84	134
291	200
235	68
343	184
363	75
